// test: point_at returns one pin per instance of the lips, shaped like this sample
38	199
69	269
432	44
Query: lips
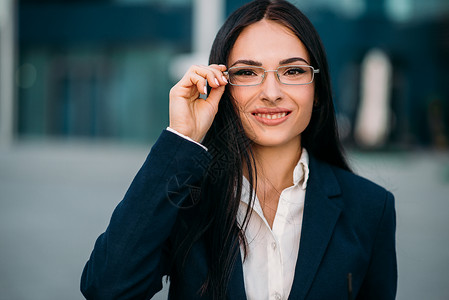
271	116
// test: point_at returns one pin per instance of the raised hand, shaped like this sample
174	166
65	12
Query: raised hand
191	115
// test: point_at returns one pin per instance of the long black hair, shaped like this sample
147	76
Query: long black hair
231	150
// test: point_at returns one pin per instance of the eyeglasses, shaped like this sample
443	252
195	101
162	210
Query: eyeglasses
251	75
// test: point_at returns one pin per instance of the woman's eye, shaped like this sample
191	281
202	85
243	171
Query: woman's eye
294	71
245	72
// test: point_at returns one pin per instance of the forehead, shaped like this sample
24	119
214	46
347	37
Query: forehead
267	42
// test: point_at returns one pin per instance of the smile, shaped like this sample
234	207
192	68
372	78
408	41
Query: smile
271	116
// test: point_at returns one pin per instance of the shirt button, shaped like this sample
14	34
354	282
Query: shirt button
273	245
277	296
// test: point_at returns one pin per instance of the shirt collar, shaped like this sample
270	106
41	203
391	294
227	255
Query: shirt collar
301	171
300	176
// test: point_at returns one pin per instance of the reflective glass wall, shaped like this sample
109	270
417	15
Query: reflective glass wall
100	69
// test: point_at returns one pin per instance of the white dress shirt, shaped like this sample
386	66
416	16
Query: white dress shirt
269	267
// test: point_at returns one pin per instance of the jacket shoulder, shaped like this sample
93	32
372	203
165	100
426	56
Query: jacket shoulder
362	198
354	191
356	182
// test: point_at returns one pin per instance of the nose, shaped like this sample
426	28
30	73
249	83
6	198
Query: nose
271	87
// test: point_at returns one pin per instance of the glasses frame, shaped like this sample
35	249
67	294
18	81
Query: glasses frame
314	71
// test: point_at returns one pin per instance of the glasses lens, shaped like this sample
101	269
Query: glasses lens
247	75
295	74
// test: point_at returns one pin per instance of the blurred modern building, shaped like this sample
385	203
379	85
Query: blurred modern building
100	69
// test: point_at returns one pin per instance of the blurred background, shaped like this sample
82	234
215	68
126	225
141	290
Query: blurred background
84	94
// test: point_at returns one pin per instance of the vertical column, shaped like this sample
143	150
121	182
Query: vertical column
373	117
7	61
207	18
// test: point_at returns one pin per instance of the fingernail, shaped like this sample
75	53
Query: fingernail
224	79
205	90
216	81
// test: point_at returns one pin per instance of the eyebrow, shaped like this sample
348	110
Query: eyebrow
292	59
259	64
247	62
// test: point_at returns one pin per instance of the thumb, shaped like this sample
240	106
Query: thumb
215	95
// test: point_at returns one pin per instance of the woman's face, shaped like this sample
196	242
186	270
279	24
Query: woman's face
272	113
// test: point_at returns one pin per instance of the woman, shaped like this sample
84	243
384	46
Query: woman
247	194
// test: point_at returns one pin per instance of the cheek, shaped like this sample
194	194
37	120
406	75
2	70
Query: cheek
241	101
310	106
309	102
305	104
309	97
240	98
303	99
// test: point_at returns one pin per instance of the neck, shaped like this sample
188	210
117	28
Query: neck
275	165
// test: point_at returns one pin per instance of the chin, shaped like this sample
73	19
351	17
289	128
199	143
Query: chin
273	140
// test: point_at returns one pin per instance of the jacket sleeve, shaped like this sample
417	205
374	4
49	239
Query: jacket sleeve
380	281
130	257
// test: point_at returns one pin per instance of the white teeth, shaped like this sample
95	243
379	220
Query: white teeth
271	116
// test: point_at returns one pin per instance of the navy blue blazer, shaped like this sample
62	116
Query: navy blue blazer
348	227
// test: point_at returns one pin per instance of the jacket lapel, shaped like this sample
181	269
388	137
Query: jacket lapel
321	213
236	287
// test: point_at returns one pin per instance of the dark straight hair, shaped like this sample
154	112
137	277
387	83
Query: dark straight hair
231	150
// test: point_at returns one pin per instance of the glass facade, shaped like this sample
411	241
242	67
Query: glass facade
95	92
100	69
98	77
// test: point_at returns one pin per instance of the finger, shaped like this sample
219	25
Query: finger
210	75
221	69
214	76
200	83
